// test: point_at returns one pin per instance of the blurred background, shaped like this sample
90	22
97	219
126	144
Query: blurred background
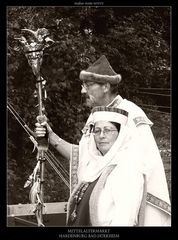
136	41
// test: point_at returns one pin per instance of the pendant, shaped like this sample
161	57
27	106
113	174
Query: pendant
73	216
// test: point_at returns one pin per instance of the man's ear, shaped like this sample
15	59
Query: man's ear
106	87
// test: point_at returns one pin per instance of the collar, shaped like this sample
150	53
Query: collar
115	102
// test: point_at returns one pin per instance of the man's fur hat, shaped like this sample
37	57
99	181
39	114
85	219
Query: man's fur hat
100	72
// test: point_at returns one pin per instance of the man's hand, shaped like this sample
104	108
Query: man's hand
42	127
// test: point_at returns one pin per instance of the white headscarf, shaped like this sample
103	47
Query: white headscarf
92	163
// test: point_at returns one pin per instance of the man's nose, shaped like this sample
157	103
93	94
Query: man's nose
83	90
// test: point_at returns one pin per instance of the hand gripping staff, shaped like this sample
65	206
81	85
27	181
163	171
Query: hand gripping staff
33	45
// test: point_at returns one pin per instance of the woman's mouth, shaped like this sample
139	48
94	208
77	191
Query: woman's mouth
103	143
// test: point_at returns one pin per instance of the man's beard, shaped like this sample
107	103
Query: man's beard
89	101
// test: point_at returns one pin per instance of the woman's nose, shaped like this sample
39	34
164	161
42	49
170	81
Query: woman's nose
102	134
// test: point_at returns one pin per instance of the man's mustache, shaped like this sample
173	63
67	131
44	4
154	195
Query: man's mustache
86	100
85	96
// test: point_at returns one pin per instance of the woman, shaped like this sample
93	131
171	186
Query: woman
110	189
108	175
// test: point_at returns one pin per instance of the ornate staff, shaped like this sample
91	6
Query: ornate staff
33	46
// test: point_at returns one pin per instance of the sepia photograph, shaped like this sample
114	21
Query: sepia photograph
88	117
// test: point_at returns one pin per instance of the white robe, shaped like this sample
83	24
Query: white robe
135	153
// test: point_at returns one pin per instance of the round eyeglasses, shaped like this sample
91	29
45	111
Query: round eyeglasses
105	131
87	85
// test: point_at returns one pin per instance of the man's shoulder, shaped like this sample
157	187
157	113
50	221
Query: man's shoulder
135	112
131	107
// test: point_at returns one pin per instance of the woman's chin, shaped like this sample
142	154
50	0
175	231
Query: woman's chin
103	151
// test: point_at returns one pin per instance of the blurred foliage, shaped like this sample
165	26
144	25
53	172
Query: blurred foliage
135	40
